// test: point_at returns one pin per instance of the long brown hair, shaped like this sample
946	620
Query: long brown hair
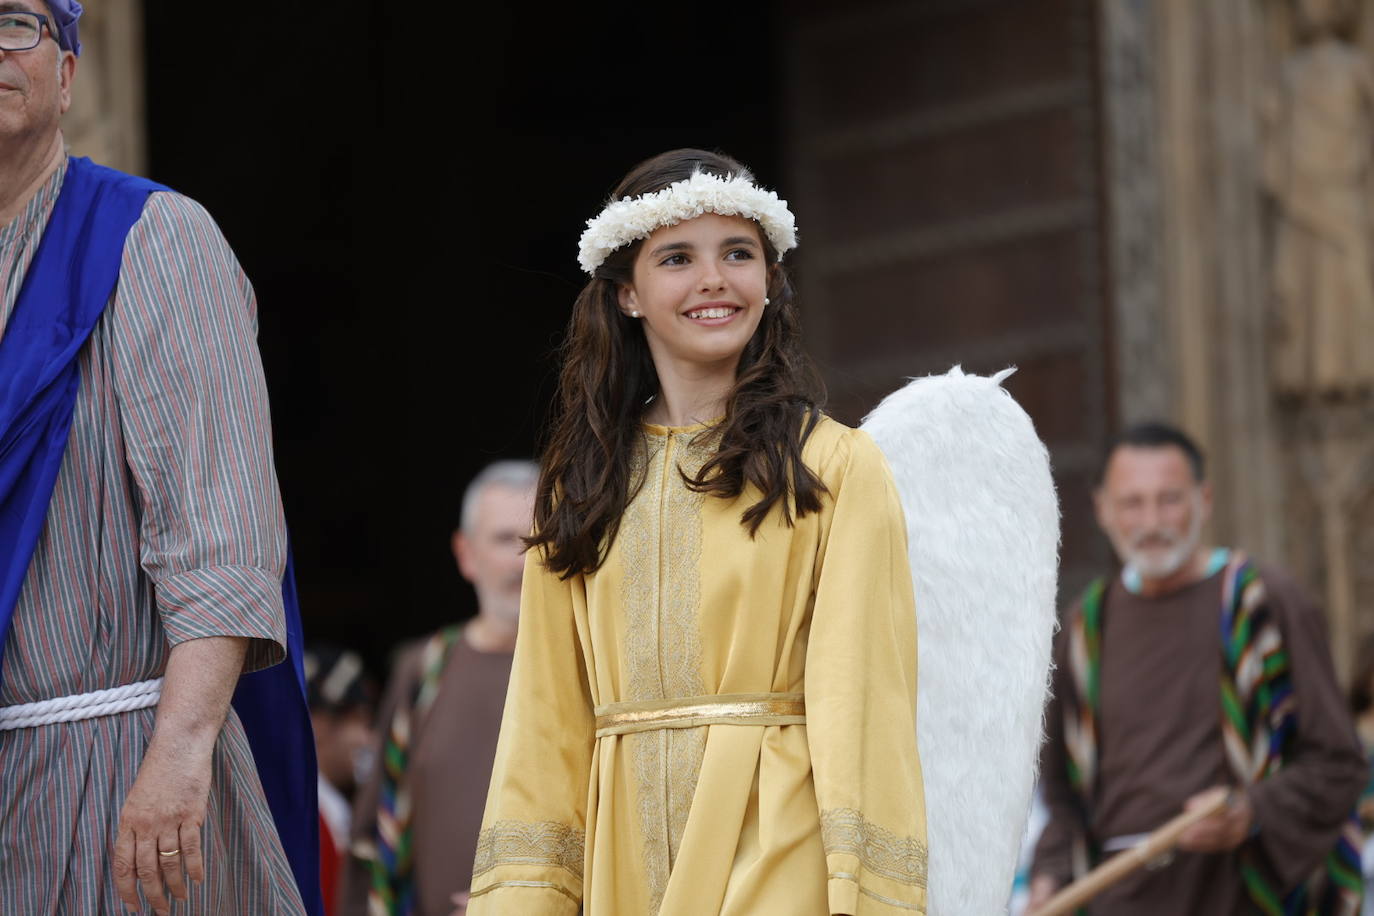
608	375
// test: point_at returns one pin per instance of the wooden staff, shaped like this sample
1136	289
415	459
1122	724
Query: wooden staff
1127	861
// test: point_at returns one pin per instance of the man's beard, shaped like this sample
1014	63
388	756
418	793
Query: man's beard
1156	565
503	603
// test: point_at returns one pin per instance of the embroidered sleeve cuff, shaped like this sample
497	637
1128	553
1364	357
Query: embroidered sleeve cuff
844	894
872	869
526	890
226	601
528	867
857	892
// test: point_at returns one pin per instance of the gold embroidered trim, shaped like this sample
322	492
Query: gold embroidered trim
660	558
549	884
686	747
639	548
637	543
891	901
680	564
725	709
904	859
522	843
680	651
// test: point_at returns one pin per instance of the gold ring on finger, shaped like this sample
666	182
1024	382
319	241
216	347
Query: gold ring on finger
174	852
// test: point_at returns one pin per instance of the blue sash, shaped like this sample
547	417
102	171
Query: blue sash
64	294
271	705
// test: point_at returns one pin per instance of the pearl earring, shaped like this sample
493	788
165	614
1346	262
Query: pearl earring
634	314
766	300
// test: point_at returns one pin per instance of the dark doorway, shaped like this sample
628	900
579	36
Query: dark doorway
405	186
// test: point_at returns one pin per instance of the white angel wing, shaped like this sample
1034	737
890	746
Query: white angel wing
983	528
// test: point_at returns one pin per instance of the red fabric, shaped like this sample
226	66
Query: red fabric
330	862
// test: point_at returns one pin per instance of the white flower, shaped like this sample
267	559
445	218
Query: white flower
626	221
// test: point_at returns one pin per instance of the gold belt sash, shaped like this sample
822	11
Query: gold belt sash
690	712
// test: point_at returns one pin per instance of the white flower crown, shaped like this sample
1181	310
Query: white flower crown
628	220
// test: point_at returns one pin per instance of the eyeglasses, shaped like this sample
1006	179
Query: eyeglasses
22	31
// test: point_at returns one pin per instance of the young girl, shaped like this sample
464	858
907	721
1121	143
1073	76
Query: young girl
712	706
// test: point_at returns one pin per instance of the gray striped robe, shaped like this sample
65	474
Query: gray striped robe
166	525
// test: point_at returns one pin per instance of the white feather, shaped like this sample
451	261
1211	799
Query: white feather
983	527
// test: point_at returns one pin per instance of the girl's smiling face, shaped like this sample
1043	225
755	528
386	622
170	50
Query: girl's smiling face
699	287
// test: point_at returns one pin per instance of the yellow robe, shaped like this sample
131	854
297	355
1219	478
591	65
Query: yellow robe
757	818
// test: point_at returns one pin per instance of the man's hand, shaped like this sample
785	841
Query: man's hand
159	828
1223	831
1042	888
165	807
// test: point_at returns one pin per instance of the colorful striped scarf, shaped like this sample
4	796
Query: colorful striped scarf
393	884
1258	724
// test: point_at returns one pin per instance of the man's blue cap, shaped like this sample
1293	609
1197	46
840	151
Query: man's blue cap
66	12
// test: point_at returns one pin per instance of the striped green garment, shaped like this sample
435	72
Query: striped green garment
165	525
1258	724
392	892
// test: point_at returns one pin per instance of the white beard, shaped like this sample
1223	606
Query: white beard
1161	566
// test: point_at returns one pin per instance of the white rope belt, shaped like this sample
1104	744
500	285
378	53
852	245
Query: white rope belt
1129	841
79	706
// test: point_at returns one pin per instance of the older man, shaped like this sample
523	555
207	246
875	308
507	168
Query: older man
1194	672
415	825
141	534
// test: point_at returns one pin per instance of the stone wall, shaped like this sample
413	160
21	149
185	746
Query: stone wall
106	120
1242	245
1157	208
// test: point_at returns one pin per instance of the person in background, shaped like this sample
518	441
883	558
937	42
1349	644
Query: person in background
1362	707
1153	712
342	700
417	818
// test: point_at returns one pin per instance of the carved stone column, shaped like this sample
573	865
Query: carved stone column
1333	470
1197	249
106	120
1186	242
1130	86
1318	139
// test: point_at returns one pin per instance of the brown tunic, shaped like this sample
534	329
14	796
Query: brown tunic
1160	742
448	773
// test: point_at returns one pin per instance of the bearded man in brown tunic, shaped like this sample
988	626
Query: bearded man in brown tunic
1159	705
